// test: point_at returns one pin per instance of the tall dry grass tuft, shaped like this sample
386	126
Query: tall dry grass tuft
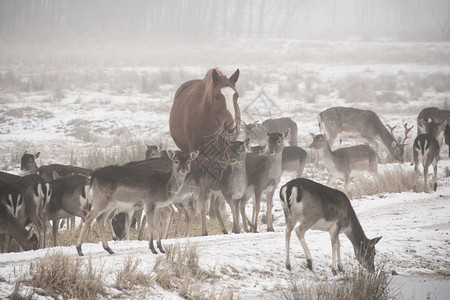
130	276
394	180
60	276
359	284
179	271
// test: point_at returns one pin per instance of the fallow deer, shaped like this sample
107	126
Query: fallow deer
36	193
263	176
426	151
319	207
342	162
69	198
28	164
130	188
345	122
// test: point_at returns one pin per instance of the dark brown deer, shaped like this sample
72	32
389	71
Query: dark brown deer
426	151
263	176
130	188
36	193
11	226
28	164
69	198
12	199
319	207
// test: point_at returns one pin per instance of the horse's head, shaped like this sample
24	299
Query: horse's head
222	98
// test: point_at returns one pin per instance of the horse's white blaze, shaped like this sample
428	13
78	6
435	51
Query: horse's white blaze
228	93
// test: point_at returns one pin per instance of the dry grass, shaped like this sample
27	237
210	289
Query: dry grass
179	271
395	180
60	276
359	284
130	276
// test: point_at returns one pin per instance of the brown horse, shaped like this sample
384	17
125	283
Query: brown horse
205	112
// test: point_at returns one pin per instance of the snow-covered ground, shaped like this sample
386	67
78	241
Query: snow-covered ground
415	226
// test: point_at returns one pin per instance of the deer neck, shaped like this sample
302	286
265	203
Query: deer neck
386	137
14	229
275	164
174	184
355	233
327	155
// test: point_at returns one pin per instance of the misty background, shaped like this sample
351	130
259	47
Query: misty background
205	20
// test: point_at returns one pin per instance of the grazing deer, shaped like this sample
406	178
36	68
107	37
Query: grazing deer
130	188
12	199
36	194
263	176
342	162
69	198
426	151
319	207
357	123
231	185
28	164
11	226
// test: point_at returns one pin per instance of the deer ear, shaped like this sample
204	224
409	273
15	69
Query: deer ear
160	147
247	142
171	154
194	154
312	134
234	78
55	175
394	144
37	155
374	241
286	133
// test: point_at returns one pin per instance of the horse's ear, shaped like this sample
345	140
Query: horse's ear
215	76
234	78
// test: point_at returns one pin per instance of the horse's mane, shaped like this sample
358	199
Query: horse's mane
209	82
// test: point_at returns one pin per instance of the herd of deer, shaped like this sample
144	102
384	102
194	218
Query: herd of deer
168	181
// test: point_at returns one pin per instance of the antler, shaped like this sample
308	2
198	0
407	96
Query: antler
391	128
407	130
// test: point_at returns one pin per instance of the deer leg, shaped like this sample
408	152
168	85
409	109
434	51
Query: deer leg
219	215
150	214
335	250
128	218
232	205
142	227
256	208
289	227
86	226
242	204
204	197
425	176
300	231
55	232
109	222
269	210
189	216
101	227
157	224
435	175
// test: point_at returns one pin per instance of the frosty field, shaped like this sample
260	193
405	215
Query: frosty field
67	109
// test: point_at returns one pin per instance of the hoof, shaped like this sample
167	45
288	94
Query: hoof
270	229
435	187
288	266
80	253
109	250
224	232
334	271
154	251
309	264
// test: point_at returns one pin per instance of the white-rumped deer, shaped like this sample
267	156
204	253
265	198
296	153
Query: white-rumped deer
263	176
426	151
11	220
36	194
348	122
342	162
129	188
319	207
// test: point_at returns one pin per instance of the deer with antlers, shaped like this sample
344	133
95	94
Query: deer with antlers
407	130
